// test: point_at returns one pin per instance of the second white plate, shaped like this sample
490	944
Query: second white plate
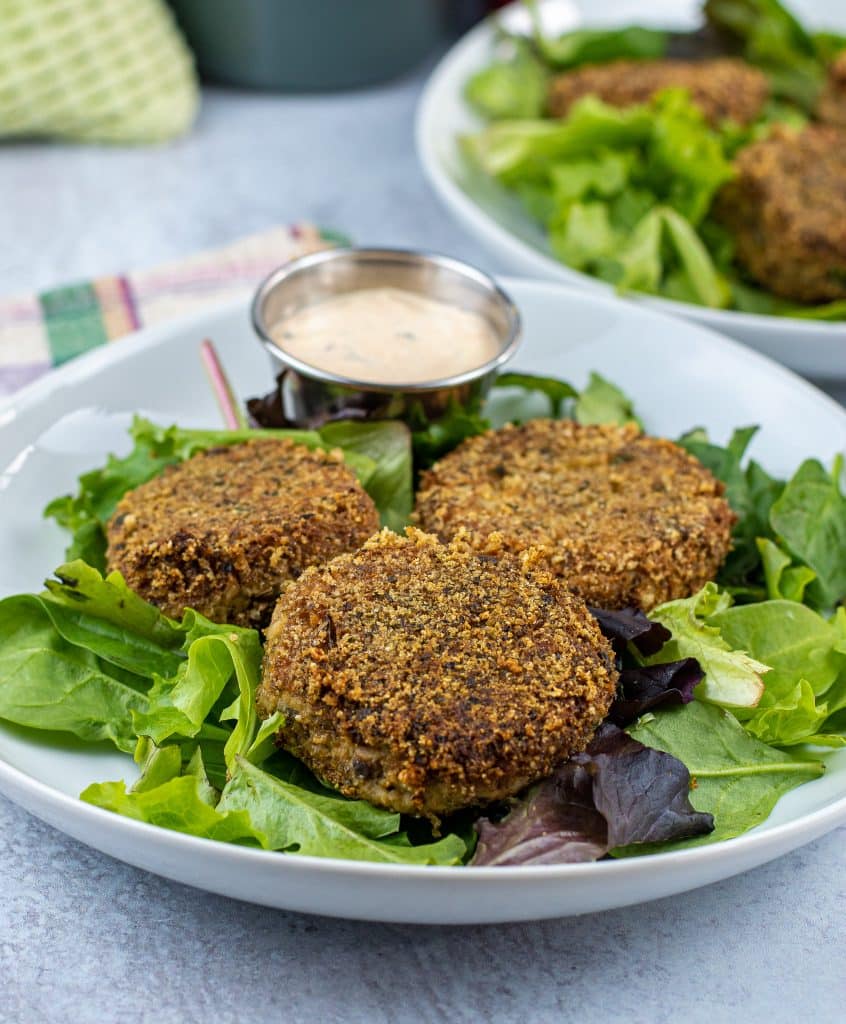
499	220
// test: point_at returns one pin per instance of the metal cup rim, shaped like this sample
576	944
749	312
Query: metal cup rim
510	342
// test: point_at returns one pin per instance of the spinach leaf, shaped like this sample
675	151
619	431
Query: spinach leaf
810	518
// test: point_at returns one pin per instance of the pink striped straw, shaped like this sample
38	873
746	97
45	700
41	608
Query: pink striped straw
230	410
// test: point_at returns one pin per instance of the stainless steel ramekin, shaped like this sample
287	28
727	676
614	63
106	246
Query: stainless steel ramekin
310	395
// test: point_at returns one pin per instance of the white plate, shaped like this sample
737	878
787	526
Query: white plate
680	376
498	219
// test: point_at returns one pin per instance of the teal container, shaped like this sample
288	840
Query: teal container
309	44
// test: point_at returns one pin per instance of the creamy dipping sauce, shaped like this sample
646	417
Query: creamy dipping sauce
387	336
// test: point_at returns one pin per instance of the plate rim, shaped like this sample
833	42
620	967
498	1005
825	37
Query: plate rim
15	781
488	228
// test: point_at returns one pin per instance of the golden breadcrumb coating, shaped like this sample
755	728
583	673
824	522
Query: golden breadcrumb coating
724	89
623	519
428	677
831	106
786	210
224	531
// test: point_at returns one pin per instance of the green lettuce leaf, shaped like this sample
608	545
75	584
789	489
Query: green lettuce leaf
386	445
512	88
784	580
179	705
774	39
807	658
523	149
734	776
48	682
795	718
596	45
603	402
104	616
319	825
732	678
182	804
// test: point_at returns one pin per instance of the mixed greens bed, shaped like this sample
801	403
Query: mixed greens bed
727	699
626	195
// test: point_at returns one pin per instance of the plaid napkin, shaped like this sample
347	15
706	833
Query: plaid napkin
38	332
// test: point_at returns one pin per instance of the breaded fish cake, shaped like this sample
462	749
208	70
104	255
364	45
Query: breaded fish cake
786	210
725	89
426	677
623	519
224	531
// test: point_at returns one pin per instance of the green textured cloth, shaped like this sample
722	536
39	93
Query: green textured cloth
94	71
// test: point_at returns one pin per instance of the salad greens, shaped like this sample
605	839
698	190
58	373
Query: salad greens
626	194
768	35
724	697
617	793
735	777
179	696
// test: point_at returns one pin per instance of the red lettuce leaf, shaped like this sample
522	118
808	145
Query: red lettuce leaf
642	793
630	624
650	686
617	793
556	823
